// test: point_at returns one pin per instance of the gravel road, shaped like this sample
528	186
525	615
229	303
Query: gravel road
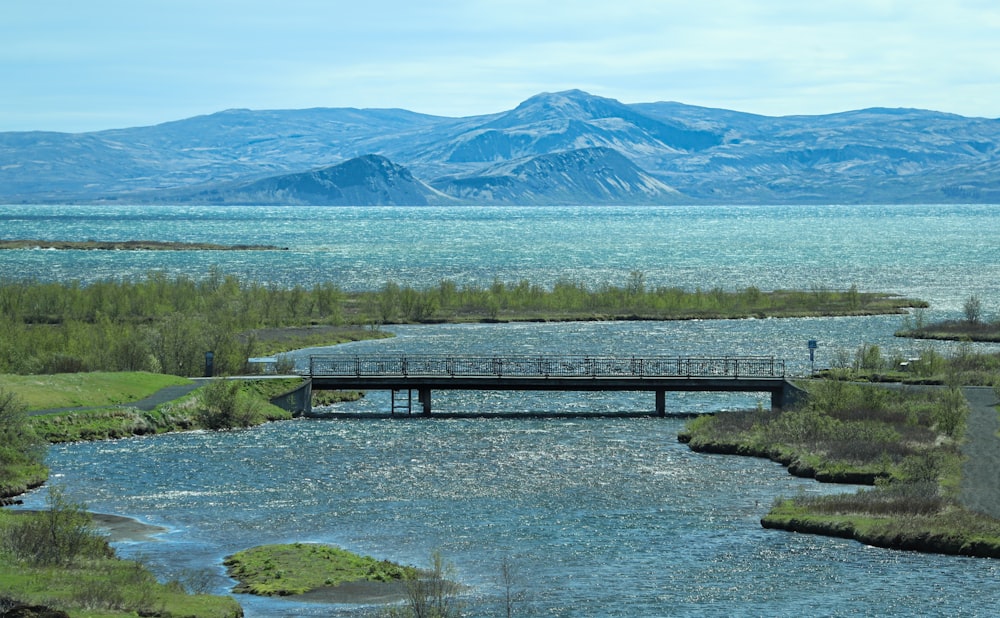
981	470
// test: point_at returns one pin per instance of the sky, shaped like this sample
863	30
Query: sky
85	65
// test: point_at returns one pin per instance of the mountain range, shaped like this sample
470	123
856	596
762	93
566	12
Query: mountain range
554	148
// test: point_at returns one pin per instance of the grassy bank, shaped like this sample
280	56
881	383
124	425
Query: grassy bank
55	559
904	443
893	520
190	412
282	570
109	417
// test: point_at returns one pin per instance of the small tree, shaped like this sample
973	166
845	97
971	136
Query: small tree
868	358
434	594
509	581
60	535
973	309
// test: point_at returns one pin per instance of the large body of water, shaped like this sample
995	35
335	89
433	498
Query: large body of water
599	516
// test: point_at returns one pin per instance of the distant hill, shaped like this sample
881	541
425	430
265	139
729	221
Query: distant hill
566	147
370	180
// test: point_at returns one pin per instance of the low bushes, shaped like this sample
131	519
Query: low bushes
226	405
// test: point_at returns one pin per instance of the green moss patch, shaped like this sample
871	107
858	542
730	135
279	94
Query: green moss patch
297	568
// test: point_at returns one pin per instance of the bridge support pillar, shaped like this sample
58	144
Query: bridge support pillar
661	403
777	400
424	397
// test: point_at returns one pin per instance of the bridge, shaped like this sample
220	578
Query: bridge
402	374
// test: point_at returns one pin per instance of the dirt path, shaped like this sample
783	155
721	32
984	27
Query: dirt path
981	470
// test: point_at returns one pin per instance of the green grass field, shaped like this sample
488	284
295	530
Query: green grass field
69	390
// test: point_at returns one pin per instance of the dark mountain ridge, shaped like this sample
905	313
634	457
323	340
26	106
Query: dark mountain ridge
566	147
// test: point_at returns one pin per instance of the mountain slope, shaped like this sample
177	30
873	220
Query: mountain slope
588	175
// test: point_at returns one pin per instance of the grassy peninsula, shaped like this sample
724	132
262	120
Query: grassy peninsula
954	330
905	442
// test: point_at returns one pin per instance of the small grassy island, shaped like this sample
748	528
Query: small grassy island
298	568
955	330
129	245
972	328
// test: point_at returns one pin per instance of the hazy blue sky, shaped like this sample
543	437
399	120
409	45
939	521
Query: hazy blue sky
78	65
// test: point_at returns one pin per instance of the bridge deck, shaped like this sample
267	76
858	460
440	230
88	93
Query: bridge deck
563	373
547	366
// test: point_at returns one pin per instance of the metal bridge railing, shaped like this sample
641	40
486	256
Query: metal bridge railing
546	366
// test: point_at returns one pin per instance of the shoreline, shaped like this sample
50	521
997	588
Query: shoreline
116	528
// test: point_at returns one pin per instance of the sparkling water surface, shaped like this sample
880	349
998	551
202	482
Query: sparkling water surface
599	516
939	253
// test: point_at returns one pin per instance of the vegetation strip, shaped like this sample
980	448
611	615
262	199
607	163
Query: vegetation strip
130	245
282	570
165	325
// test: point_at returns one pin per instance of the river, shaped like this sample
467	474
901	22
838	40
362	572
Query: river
599	516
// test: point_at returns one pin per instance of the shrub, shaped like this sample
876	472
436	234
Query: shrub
869	358
434	594
19	445
973	309
225	405
59	536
